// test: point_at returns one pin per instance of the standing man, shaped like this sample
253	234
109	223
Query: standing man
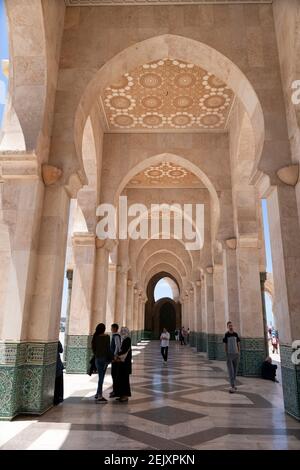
232	342
115	347
164	345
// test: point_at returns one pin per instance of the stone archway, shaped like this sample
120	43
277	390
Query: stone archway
165	311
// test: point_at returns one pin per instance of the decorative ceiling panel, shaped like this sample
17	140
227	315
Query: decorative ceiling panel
167	94
158	2
167	175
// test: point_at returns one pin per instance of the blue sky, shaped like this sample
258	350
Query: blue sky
4	54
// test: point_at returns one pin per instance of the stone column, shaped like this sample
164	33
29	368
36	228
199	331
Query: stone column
231	283
44	320
219	309
135	316
211	340
21	205
251	317
192	316
285	243
204	316
69	276
198	307
128	319
121	292
78	352
101	282
111	296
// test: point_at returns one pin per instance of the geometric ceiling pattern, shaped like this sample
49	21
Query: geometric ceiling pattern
165	174
167	94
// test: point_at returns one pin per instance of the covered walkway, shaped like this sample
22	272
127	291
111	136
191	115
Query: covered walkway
184	405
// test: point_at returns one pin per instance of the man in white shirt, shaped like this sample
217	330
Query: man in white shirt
164	344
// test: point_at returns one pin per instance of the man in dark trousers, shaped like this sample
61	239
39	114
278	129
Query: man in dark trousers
232	342
115	347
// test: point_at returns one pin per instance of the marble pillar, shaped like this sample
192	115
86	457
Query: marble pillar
78	351
43	324
121	293
110	316
23	366
231	285
128	319
135	315
211	337
101	283
219	310
285	244
251	317
204	317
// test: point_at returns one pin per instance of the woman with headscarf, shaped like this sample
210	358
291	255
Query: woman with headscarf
123	360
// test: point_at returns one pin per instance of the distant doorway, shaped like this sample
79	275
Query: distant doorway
167	317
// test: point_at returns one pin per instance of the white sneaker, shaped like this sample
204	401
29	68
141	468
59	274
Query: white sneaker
232	390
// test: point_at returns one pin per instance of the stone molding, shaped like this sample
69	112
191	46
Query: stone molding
83	239
18	165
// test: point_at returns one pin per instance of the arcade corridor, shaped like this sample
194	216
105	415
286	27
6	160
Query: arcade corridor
185	405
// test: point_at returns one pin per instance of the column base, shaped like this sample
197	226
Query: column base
134	338
253	354
202	342
215	347
290	373
78	354
192	339
27	378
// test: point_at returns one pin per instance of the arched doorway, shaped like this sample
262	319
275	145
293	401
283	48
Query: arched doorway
167	317
162	312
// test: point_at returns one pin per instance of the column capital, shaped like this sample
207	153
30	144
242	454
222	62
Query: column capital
289	174
50	174
123	268
231	243
108	244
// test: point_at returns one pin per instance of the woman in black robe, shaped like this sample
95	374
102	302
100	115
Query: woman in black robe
124	362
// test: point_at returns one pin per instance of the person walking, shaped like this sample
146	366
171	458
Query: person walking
115	347
59	379
124	367
103	356
181	336
232	342
164	344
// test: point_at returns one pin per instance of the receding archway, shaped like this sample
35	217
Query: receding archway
165	312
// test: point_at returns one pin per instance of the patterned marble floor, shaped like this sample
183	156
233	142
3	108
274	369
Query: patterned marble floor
182	406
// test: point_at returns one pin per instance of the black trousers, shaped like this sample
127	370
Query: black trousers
164	352
59	390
